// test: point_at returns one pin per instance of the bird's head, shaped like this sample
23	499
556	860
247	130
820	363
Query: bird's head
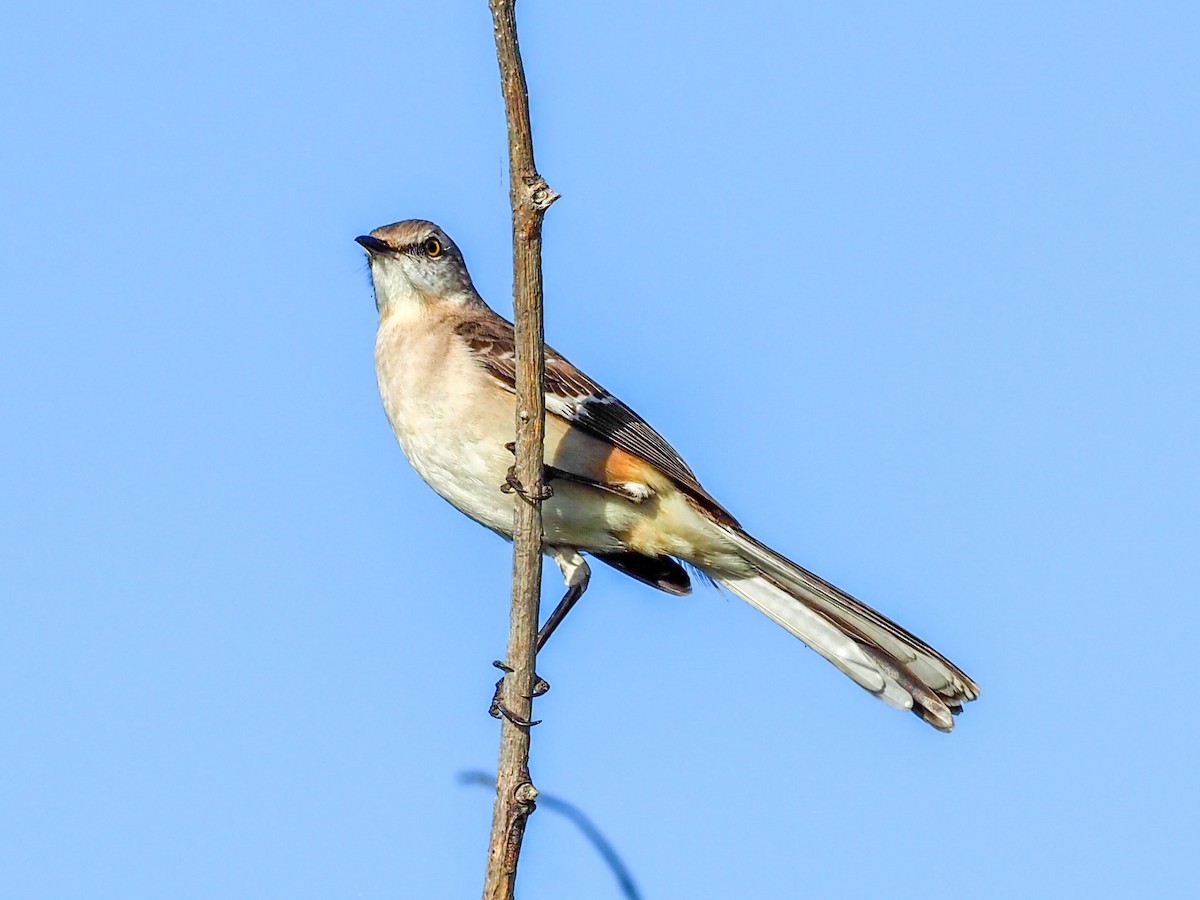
415	266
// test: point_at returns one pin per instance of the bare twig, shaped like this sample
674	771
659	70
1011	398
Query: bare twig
584	824
531	197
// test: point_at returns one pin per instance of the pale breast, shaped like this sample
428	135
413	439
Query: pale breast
449	431
453	420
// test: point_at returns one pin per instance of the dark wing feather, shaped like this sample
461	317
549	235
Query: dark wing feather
573	396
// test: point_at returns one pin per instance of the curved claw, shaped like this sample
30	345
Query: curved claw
501	710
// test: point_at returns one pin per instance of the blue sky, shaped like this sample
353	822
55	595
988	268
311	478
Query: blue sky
914	289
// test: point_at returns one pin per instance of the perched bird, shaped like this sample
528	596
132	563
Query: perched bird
620	493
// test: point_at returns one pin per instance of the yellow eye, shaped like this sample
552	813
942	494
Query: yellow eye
432	247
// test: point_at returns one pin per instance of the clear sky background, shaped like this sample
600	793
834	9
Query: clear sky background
912	286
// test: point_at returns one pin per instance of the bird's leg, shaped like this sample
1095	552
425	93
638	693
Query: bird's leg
576	574
570	598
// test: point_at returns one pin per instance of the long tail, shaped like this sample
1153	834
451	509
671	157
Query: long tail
894	665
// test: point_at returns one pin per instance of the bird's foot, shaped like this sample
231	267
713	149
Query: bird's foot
498	709
512	485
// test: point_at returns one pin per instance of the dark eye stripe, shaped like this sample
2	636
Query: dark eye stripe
423	248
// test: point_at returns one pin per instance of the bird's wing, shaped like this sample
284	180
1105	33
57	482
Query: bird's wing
582	403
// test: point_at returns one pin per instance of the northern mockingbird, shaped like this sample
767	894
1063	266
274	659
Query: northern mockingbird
446	369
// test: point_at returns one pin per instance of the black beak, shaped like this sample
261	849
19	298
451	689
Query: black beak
372	245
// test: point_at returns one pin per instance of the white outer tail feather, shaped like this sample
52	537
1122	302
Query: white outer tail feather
884	659
818	633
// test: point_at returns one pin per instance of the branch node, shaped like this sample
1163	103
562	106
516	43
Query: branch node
540	194
526	794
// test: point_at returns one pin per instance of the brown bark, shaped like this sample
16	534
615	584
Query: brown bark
531	197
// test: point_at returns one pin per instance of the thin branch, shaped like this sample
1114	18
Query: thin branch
531	197
584	824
